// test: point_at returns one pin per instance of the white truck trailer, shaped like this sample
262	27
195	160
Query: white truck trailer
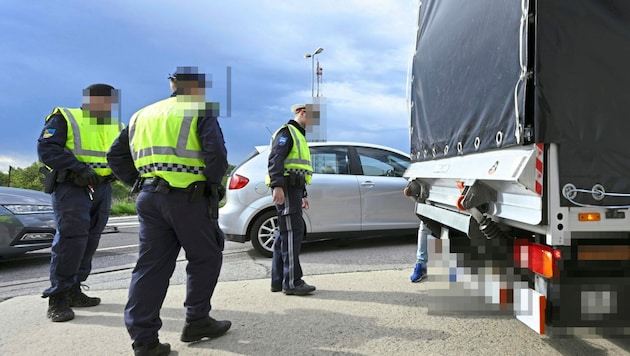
520	142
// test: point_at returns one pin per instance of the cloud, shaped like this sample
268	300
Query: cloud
133	45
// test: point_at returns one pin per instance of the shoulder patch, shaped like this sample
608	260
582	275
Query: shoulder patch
48	133
282	140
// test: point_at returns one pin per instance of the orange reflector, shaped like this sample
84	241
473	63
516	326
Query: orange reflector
589	217
460	185
604	253
542	259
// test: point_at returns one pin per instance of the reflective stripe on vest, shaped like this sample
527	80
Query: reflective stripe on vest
164	143
97	137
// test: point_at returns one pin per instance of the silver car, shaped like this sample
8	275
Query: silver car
356	190
27	221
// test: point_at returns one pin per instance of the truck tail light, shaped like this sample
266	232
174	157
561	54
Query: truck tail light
237	182
542	260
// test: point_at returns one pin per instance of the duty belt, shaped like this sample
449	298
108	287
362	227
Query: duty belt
163	185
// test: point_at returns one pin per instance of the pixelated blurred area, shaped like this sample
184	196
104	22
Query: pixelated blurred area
462	279
103	108
208	109
316	130
482	277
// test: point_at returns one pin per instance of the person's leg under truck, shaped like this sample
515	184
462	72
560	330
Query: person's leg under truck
157	254
99	214
71	205
292	229
423	233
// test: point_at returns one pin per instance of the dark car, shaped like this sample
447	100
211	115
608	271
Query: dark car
27	221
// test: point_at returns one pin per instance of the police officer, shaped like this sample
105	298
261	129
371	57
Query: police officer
73	144
175	153
289	170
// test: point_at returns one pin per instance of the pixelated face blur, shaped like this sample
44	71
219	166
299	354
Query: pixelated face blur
191	88
101	106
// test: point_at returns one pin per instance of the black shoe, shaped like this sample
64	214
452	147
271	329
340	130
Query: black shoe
59	307
198	329
152	349
276	288
303	289
78	299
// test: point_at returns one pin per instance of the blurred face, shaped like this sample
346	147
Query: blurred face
100	106
189	88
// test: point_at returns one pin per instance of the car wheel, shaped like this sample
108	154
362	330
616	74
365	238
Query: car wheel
263	232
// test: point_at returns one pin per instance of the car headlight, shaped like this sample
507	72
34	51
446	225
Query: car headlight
19	209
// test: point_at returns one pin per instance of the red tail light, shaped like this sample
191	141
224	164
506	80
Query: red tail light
237	182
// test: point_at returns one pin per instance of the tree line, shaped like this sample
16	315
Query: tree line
31	178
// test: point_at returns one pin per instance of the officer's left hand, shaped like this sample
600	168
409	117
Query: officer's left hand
305	203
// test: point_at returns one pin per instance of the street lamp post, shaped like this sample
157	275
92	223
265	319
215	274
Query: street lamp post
312	57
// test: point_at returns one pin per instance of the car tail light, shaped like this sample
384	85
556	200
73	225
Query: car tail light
237	182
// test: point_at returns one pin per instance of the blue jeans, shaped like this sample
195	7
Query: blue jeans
422	256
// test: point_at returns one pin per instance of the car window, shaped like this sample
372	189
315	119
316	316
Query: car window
329	160
377	162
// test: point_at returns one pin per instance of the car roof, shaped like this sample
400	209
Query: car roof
262	148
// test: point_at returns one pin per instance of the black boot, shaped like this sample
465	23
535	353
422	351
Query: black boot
154	348
59	307
198	329
78	299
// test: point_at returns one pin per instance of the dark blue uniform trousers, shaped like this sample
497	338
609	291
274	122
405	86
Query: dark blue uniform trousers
80	222
285	265
168	222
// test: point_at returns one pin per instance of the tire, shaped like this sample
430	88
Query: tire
263	232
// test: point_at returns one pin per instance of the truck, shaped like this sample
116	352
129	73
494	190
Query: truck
519	136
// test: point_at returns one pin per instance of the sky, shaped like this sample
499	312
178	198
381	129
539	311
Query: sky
51	50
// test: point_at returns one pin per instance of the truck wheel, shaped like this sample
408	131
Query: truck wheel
263	232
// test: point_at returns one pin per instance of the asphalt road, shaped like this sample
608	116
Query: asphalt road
117	253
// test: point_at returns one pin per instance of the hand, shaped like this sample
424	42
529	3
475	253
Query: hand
305	203
278	195
86	177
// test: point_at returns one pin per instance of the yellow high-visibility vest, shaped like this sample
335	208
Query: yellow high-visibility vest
88	139
299	158
164	142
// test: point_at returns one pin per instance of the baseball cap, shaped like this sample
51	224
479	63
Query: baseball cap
296	107
186	73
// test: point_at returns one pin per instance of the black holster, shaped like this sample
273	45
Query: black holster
214	195
295	180
50	178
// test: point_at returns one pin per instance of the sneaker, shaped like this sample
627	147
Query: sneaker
419	273
303	289
154	348
59	307
198	329
78	299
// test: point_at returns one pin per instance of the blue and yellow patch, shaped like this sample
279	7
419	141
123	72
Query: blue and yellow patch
48	133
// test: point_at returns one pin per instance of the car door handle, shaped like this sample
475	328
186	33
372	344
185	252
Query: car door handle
368	184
